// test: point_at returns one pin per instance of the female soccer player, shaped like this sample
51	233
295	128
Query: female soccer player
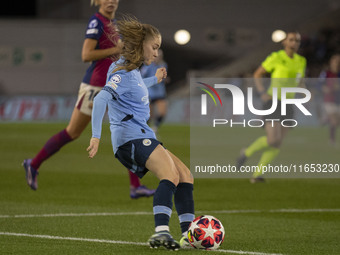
286	69
134	142
331	90
100	51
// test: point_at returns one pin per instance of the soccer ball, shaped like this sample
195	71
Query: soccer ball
206	232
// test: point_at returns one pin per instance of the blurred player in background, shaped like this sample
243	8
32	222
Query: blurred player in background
286	68
134	142
100	51
157	94
331	90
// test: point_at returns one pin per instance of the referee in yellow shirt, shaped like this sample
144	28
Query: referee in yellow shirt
286	68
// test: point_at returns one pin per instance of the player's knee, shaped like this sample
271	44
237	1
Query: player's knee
170	173
174	178
73	133
189	178
186	176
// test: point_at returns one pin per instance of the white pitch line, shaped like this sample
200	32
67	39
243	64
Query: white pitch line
75	214
291	210
72	238
246	252
285	210
303	211
118	242
230	211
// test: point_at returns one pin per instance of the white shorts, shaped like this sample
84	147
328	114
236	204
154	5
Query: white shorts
331	108
86	95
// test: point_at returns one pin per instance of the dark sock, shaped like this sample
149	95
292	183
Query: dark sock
184	203
162	204
134	179
52	146
332	133
159	121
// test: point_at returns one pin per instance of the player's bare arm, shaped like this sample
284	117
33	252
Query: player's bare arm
258	74
90	53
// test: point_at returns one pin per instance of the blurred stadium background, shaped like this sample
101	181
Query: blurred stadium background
41	43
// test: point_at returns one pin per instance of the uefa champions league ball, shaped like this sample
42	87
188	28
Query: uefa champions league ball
206	232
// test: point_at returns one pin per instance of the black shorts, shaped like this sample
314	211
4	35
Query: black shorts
277	113
134	154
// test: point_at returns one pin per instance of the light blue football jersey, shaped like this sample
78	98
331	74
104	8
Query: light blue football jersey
127	99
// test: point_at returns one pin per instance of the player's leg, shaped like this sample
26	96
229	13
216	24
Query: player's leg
184	200
258	145
275	135
337	123
76	126
333	122
80	118
274	138
138	190
161	164
161	106
331	111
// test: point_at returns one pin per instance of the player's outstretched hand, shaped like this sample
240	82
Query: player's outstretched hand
93	148
161	74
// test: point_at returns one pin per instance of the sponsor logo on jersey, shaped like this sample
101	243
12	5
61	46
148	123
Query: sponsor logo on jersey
146	142
112	85
116	78
92	31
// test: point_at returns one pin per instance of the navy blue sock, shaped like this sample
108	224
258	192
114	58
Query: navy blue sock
184	203
159	121
162	204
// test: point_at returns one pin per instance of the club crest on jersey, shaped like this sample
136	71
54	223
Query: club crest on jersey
116	78
93	23
146	142
145	100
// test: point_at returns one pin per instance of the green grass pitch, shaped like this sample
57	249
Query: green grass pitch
82	205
